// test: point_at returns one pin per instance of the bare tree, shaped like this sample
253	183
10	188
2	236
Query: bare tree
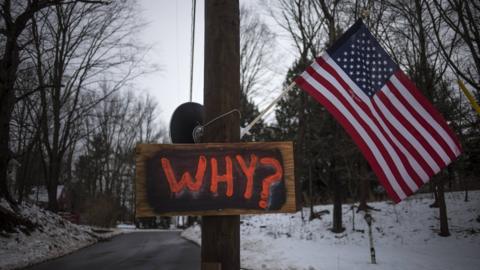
457	34
116	125
75	46
302	25
25	133
15	17
311	25
424	63
257	44
299	19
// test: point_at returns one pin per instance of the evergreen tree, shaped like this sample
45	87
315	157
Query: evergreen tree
249	111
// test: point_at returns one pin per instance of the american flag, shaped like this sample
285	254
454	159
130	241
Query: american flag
404	139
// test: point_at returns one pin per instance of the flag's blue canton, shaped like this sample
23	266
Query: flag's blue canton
364	60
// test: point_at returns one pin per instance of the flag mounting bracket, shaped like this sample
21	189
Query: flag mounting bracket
199	129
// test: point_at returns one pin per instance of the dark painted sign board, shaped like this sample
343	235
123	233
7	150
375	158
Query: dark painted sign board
215	179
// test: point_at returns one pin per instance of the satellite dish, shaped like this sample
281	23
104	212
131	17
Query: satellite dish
184	120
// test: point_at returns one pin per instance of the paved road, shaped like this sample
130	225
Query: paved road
139	250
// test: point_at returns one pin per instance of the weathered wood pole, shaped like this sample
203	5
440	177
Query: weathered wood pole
221	234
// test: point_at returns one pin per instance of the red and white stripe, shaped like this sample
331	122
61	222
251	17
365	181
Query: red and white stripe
405	140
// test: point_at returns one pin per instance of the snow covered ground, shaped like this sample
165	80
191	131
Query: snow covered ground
405	237
54	237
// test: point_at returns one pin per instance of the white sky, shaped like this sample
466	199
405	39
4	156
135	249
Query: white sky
168	33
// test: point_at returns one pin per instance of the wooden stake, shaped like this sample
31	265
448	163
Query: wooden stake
369	220
221	234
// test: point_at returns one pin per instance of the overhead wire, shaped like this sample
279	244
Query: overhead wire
192	52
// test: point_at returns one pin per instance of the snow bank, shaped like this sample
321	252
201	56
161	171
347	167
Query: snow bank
405	237
54	237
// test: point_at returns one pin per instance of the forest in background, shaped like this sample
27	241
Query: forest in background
69	116
67	75
434	42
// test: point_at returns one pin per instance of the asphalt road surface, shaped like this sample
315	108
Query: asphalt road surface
140	250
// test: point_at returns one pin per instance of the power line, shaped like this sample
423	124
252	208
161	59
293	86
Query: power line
192	52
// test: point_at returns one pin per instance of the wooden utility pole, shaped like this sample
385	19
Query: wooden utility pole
221	234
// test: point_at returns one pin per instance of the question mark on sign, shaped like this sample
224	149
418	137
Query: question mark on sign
269	180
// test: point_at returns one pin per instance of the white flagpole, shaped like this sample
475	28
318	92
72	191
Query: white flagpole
246	129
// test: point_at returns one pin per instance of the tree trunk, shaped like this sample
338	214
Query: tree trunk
364	188
465	185
444	231
52	197
434	190
4	156
52	184
310	187
22	180
337	209
8	70
337	203
221	234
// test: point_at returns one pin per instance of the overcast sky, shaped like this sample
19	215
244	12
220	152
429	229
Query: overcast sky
168	32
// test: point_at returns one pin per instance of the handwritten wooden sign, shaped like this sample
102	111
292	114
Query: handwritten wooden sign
215	179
